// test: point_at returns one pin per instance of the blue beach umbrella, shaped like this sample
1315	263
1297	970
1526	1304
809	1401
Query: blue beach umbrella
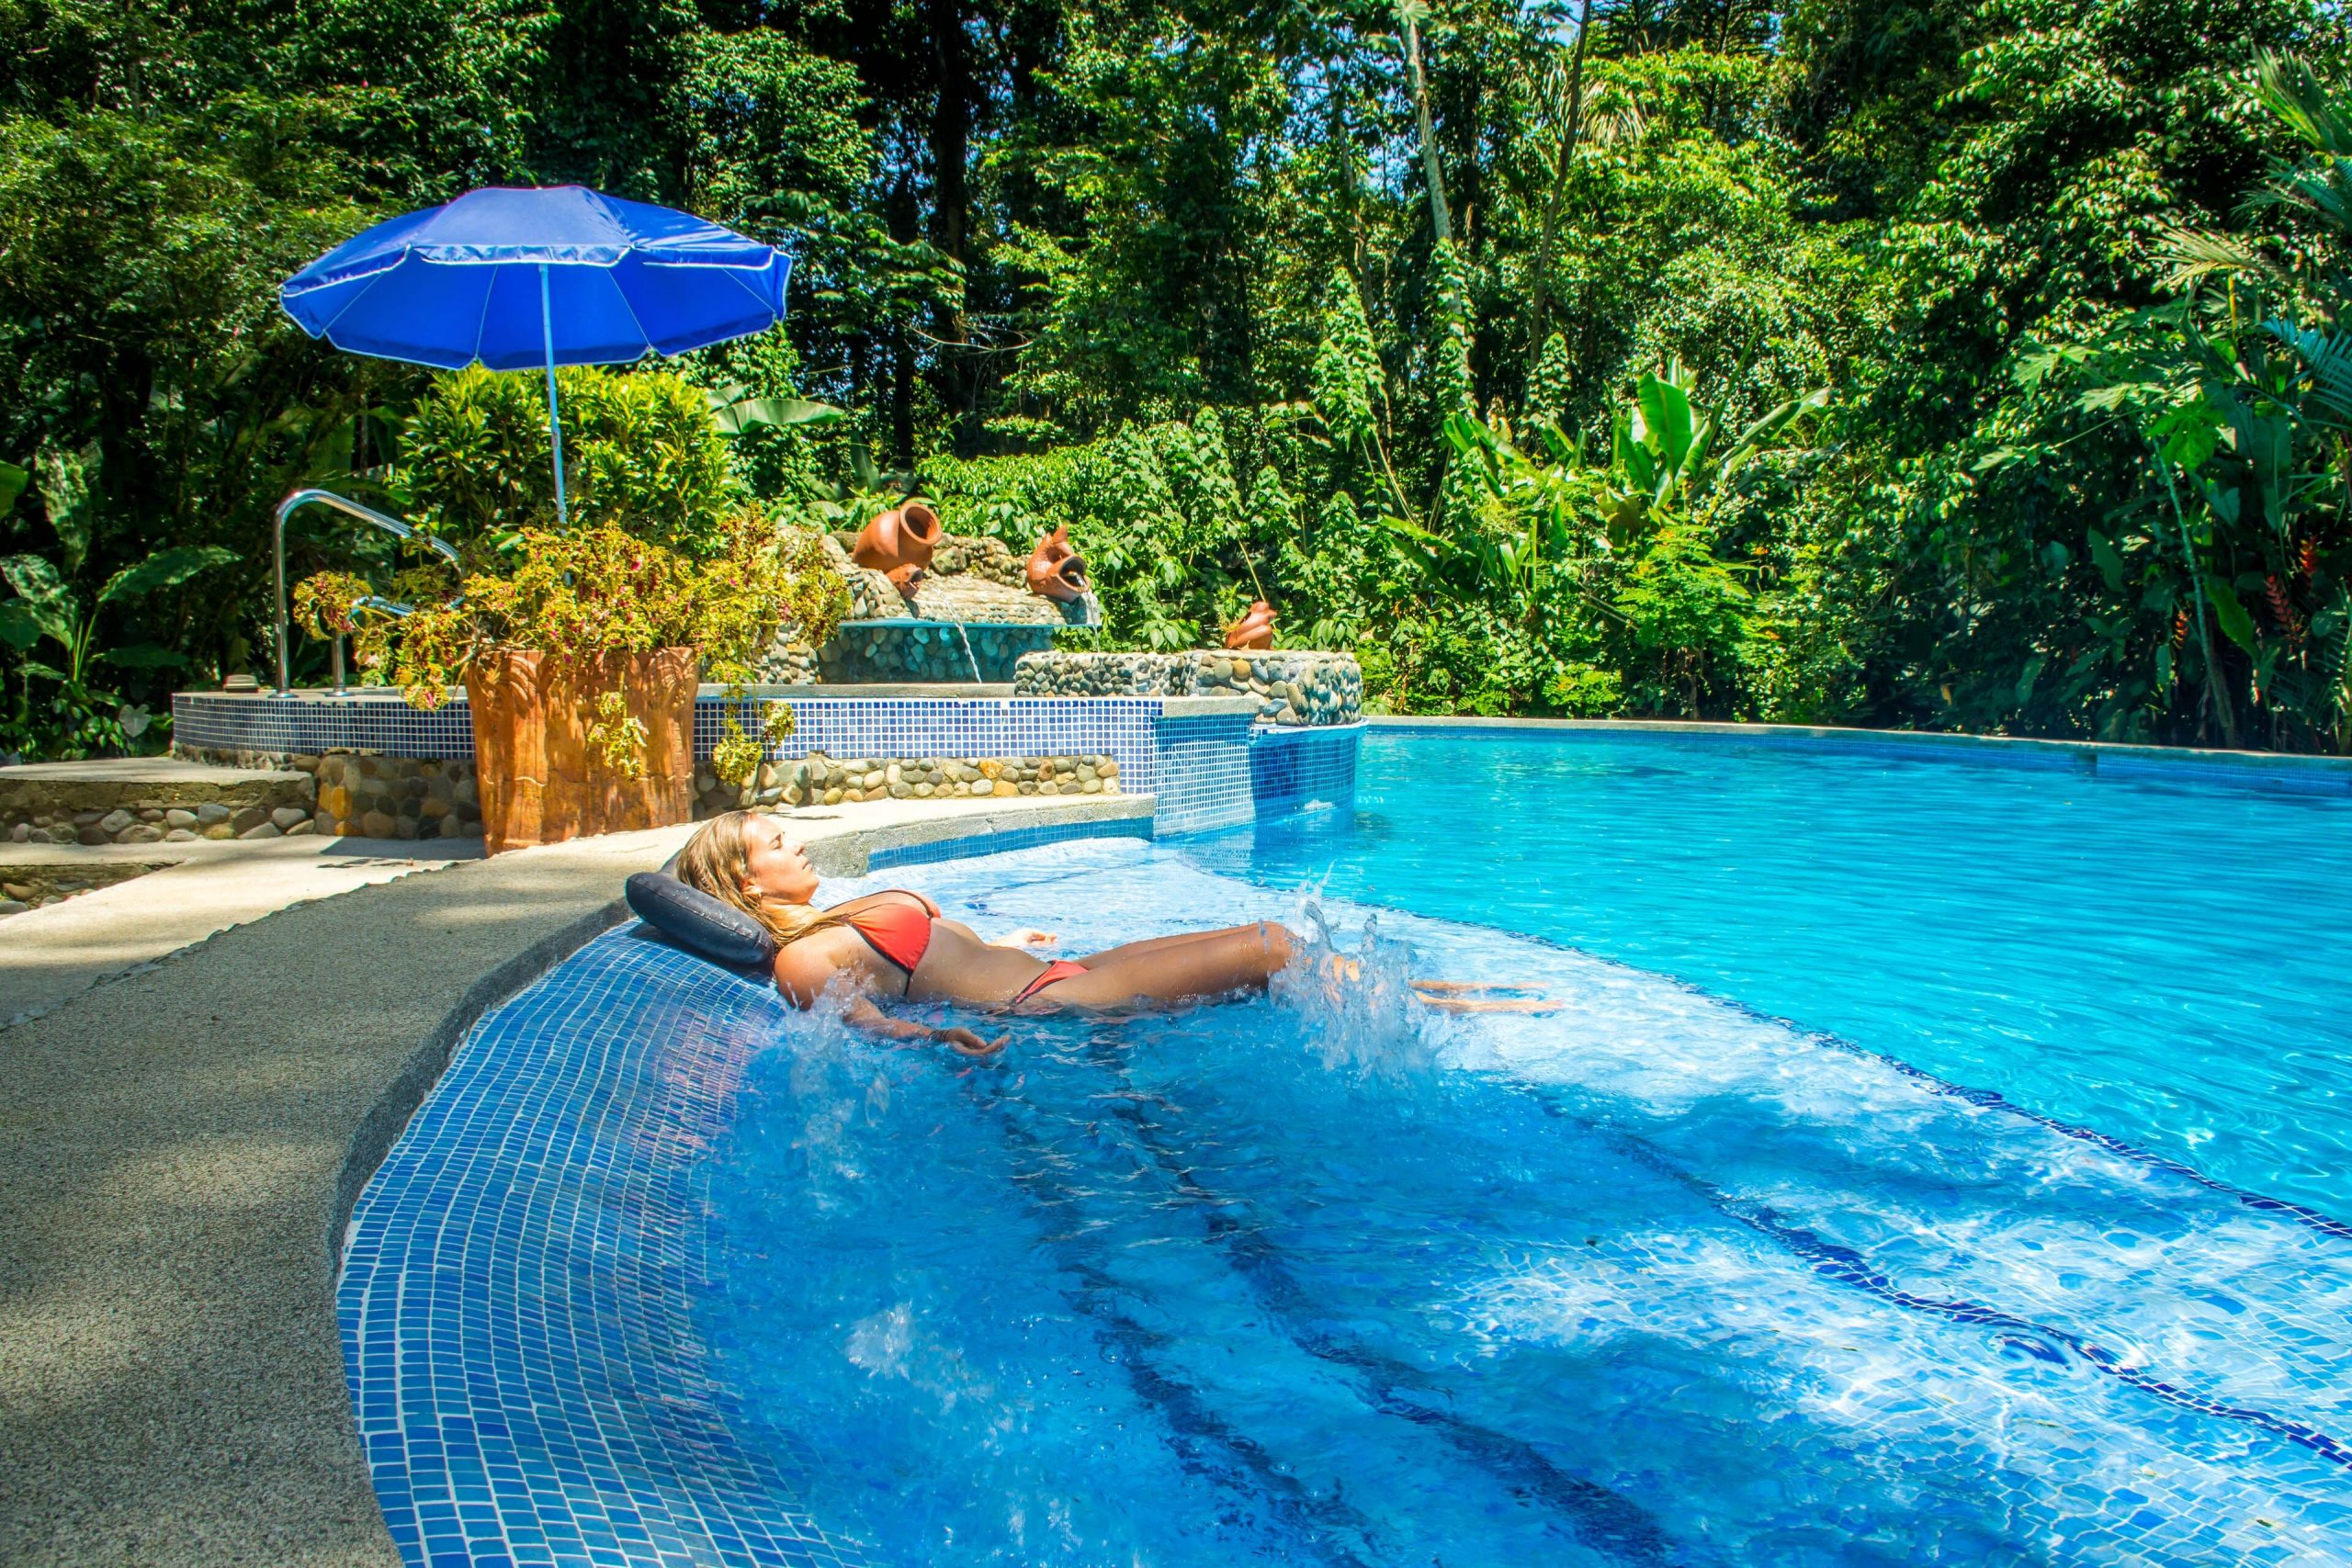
514	279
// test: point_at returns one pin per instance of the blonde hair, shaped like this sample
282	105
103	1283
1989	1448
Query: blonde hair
718	861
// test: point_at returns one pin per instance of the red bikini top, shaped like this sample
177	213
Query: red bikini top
899	933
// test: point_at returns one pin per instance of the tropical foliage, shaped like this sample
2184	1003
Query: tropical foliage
578	594
1942	362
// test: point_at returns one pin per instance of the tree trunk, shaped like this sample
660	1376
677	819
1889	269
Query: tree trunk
951	132
1430	163
902	398
900	209
1558	196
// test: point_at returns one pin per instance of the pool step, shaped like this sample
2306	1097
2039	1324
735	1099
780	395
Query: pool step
146	800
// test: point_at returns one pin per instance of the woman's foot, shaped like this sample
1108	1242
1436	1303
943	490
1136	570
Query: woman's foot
1491	1004
1469	988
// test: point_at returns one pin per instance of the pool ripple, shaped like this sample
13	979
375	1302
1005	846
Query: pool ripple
1659	1279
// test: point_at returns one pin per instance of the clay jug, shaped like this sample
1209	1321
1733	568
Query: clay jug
1254	629
905	578
1056	572
904	535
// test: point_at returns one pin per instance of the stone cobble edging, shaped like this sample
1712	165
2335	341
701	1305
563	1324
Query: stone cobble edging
174	810
1305	687
819	779
26	888
366	794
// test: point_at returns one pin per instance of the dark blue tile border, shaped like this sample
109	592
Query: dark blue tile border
517	1279
1012	839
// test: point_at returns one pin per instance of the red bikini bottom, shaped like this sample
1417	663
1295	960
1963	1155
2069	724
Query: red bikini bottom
1060	969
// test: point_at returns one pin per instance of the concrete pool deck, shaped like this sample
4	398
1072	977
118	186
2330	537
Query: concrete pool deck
182	1143
51	955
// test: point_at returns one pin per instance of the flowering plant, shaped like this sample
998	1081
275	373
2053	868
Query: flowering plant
576	596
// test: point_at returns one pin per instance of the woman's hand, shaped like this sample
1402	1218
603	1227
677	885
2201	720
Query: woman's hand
1028	936
964	1043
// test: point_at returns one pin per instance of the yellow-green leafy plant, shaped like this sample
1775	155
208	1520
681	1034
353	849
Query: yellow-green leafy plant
617	736
576	597
737	755
323	603
640	449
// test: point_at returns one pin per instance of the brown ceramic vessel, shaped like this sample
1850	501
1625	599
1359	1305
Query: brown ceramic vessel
1254	629
904	535
540	778
1055	570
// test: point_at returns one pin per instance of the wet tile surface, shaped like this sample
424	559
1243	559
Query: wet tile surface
514	1301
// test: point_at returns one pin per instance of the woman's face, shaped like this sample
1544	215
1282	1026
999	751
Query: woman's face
774	865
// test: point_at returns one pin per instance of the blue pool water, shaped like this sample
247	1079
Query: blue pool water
2164	954
1731	1260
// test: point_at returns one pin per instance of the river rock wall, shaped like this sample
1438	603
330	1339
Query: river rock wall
1294	688
366	795
820	780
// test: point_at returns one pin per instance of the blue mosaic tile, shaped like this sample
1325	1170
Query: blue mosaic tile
839	727
1203	774
1121	728
315	723
1208	771
1298	770
515	1294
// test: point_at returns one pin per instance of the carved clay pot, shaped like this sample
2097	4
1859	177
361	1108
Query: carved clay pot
1254	629
541	778
903	536
905	578
1056	572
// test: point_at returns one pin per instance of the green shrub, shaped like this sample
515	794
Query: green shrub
640	453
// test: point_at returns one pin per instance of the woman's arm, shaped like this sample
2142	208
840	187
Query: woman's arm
865	1017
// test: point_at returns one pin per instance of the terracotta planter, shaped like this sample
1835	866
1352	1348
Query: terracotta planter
541	778
1054	569
1254	629
901	537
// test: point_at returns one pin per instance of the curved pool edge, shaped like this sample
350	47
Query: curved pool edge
837	847
2309	769
840	845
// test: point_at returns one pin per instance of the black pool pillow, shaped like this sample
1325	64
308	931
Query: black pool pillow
700	923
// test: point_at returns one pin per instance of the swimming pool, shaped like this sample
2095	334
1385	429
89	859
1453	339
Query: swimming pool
1933	1161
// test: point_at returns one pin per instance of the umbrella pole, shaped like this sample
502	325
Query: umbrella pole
555	416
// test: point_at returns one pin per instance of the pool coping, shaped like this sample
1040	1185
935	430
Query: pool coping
1926	740
186	1143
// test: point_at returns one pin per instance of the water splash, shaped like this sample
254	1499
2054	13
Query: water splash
1356	1012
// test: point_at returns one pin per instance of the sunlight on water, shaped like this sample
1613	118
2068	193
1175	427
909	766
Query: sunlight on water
1656	1279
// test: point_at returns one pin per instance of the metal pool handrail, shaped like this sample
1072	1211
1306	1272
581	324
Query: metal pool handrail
295	502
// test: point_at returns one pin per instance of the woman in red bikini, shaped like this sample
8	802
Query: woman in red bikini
896	944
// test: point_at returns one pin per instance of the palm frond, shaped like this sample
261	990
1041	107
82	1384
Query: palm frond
2196	254
2284	84
2327	363
2324	194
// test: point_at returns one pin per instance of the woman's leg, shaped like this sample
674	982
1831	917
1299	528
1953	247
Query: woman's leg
1162	971
1176	969
1158	945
